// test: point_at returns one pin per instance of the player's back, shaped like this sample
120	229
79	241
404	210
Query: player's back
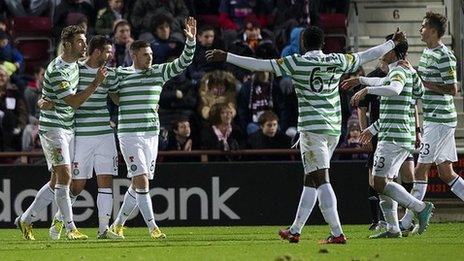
316	77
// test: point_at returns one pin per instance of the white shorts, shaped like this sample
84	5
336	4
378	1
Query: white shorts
316	150
58	147
140	154
95	152
438	144
388	158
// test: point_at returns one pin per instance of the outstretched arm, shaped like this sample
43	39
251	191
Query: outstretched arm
379	50
248	63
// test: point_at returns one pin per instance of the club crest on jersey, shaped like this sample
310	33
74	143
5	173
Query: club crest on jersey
452	73
64	85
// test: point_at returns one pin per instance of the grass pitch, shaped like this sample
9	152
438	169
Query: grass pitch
440	242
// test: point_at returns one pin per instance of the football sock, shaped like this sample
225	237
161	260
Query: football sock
328	206
63	201
418	191
44	197
307	201
104	205
390	212
400	195
374	204
127	207
146	207
457	186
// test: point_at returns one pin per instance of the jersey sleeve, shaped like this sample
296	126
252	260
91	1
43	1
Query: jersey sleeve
349	62
112	81
447	67
171	69
61	84
284	66
418	87
397	74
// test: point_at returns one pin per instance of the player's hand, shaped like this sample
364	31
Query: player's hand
398	36
405	64
365	137
357	97
101	75
44	104
216	55
190	28
418	142
349	83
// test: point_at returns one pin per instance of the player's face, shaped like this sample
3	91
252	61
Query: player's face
206	38
226	116
389	57
425	31
79	45
106	54
142	58
270	128
183	129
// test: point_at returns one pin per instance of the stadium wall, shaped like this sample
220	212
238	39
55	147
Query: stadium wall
204	194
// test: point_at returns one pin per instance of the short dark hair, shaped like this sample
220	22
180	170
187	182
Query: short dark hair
37	68
139	44
160	20
175	123
98	42
267	116
436	21
401	49
69	32
215	112
205	28
313	38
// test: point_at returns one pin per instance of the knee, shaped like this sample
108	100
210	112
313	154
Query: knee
379	184
77	186
316	178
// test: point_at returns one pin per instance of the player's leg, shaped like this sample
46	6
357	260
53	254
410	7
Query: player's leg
447	174
373	198
389	158
406	173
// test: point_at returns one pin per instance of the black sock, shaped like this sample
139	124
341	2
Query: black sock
407	186
374	204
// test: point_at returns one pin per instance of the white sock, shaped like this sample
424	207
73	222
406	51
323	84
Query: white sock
418	191
146	207
105	205
457	186
63	201
390	212
44	197
58	215
307	201
328	206
128	205
400	195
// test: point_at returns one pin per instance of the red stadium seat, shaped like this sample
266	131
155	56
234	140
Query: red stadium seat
31	25
36	51
333	23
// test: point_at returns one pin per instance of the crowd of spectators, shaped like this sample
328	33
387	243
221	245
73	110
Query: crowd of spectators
209	105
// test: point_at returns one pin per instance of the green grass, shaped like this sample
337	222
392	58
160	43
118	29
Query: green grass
440	242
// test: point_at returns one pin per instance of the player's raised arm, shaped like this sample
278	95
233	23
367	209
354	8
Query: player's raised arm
244	62
171	69
379	50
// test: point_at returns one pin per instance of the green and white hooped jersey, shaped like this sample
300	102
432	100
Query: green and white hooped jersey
139	93
438	65
396	123
92	117
60	80
316	76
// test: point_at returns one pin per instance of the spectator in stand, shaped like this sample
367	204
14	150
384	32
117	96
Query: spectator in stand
122	41
232	13
222	133
217	87
163	43
178	99
145	10
13	112
254	98
179	137
2	23
9	53
352	141
33	91
205	41
107	16
293	46
269	136
68	12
